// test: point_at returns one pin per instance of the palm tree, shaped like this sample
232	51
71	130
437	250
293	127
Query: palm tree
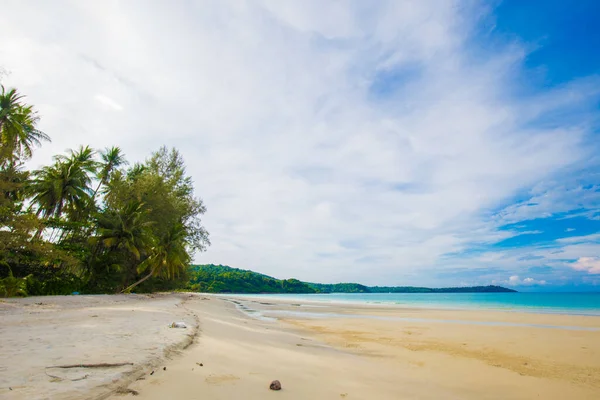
112	158
82	157
59	188
126	230
64	187
168	258
83	161
18	133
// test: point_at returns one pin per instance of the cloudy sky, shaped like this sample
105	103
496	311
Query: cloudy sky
394	142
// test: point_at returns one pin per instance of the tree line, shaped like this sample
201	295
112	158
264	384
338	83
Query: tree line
90	222
210	278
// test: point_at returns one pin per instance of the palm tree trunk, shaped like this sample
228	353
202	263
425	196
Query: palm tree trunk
89	229
95	193
128	288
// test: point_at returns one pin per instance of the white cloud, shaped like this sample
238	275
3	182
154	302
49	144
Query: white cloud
515	280
595	237
588	264
305	170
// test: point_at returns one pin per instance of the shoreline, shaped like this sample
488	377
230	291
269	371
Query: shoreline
396	305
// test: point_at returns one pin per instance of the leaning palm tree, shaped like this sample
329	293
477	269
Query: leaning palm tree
18	132
112	158
168	258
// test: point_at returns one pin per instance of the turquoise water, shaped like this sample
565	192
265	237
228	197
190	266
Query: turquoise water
562	303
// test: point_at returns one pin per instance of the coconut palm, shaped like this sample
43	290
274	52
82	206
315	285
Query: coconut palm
64	188
125	229
168	258
112	158
18	133
83	157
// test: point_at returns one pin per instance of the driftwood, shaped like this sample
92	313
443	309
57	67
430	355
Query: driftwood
100	365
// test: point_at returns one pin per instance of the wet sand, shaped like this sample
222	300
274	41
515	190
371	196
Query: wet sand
317	352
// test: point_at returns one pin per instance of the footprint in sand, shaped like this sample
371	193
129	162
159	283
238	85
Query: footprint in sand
218	379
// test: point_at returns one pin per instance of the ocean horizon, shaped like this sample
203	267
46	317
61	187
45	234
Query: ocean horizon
571	303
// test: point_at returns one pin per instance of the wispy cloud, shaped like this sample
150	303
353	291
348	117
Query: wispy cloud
311	126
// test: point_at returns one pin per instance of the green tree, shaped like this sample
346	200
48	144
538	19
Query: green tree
168	258
65	186
112	158
18	132
20	252
125	229
109	226
186	209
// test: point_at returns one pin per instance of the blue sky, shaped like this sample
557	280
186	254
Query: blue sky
392	143
564	37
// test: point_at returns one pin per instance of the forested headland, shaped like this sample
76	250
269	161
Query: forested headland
212	278
90	221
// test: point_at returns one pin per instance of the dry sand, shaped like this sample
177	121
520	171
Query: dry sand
316	351
41	332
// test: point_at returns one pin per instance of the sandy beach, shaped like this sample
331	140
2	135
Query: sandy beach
39	333
317	351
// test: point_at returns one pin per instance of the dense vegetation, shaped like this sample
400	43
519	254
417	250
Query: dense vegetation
357	288
87	222
222	279
339	287
463	289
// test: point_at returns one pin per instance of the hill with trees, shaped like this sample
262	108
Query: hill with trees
212	278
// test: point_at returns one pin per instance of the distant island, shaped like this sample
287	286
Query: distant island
210	278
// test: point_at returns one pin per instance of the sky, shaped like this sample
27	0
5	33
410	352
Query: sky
432	143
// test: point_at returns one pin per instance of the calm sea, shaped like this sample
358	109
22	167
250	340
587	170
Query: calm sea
562	303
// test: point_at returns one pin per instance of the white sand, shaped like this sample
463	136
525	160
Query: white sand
39	332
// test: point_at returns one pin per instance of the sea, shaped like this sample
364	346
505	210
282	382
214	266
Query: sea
555	303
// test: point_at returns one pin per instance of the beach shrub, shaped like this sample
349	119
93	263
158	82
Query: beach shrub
12	286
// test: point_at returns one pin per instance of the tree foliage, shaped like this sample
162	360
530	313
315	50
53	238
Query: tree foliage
212	278
18	133
86	222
